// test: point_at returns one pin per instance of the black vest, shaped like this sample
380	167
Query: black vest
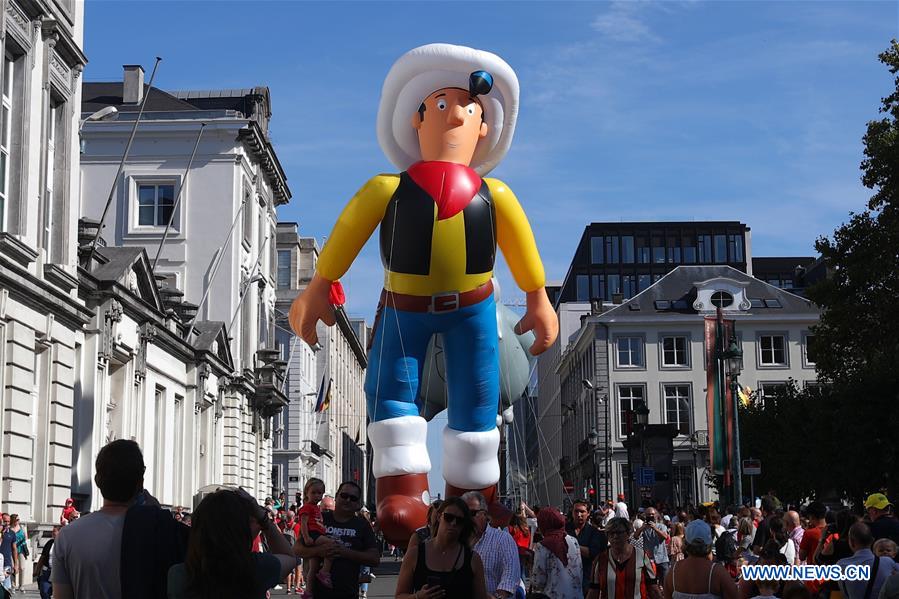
407	230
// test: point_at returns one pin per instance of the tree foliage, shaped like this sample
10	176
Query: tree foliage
844	438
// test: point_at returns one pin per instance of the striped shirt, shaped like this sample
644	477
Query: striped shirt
629	579
499	554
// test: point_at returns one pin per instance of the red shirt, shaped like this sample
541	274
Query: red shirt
314	513
629	579
522	538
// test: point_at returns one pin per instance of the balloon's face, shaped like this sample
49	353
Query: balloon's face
450	126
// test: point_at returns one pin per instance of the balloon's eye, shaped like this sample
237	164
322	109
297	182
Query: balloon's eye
470	109
441	104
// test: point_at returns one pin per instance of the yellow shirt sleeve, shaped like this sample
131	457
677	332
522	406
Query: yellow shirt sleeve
355	225
515	238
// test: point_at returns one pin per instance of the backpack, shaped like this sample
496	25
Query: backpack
725	548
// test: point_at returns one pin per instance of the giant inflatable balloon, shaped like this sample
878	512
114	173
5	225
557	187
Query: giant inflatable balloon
446	118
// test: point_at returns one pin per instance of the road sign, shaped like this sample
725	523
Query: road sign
752	467
646	476
568	486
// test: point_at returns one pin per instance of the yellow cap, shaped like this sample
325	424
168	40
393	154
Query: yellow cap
878	501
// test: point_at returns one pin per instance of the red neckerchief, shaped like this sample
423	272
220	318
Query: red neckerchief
450	185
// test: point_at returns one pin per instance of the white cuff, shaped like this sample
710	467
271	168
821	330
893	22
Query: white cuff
399	446
470	459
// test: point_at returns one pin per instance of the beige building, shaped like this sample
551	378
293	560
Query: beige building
649	351
42	319
330	444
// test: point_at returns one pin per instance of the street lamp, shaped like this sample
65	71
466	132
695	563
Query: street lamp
642	416
694	445
733	359
107	113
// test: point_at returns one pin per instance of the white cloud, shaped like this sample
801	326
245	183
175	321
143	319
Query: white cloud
625	22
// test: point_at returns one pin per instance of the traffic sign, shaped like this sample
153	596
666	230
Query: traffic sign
752	467
646	476
568	486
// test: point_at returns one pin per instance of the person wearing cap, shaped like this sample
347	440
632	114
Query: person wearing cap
697	576
69	512
622	571
446	118
883	523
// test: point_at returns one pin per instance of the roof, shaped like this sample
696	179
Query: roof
679	286
95	96
240	99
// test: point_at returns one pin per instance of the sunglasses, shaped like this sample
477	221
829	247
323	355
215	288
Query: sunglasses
452	518
348	497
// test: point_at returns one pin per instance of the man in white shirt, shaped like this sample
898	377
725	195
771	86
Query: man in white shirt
496	548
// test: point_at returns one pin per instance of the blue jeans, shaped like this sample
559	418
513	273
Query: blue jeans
44	586
470	345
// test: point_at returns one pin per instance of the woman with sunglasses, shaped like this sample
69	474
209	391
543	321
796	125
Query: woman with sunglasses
444	565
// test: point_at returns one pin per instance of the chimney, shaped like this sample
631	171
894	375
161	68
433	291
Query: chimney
133	90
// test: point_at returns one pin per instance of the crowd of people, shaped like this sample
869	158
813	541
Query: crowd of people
324	546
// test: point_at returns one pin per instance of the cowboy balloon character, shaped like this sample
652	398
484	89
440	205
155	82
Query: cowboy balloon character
446	119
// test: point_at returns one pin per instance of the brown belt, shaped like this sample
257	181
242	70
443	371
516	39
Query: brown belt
449	301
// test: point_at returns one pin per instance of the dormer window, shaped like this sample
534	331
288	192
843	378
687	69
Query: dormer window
722	299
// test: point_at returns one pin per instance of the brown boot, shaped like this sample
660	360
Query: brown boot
402	506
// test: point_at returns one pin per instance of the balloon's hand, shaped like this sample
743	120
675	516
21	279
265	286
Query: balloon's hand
310	306
540	318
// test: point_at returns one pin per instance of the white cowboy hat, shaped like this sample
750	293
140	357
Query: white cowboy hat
420	72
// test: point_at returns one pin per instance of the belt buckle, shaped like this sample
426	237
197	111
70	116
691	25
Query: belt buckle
444	302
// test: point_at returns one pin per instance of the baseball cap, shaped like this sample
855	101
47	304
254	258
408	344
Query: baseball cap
698	530
877	501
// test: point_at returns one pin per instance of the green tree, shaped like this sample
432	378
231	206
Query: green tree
844	439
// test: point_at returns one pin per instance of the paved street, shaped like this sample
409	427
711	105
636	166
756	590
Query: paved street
384	585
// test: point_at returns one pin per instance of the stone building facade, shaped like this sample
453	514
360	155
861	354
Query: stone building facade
42	319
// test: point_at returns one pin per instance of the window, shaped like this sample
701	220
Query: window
596	250
582	283
630	397
247	220
160	465
630	352
689	249
735	244
612	249
674	253
629	286
705	249
627	249
772	350
720	249
155	204
49	200
643	282
658	248
811	350
767	390
6	115
614	285
283	269
599	286
642	250
674	352
677	407
722	299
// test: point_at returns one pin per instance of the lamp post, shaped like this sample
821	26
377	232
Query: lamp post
733	358
694	445
641	415
593	441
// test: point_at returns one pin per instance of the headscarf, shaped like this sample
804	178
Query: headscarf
552	526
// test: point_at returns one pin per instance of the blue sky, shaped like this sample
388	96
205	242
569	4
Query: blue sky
750	111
